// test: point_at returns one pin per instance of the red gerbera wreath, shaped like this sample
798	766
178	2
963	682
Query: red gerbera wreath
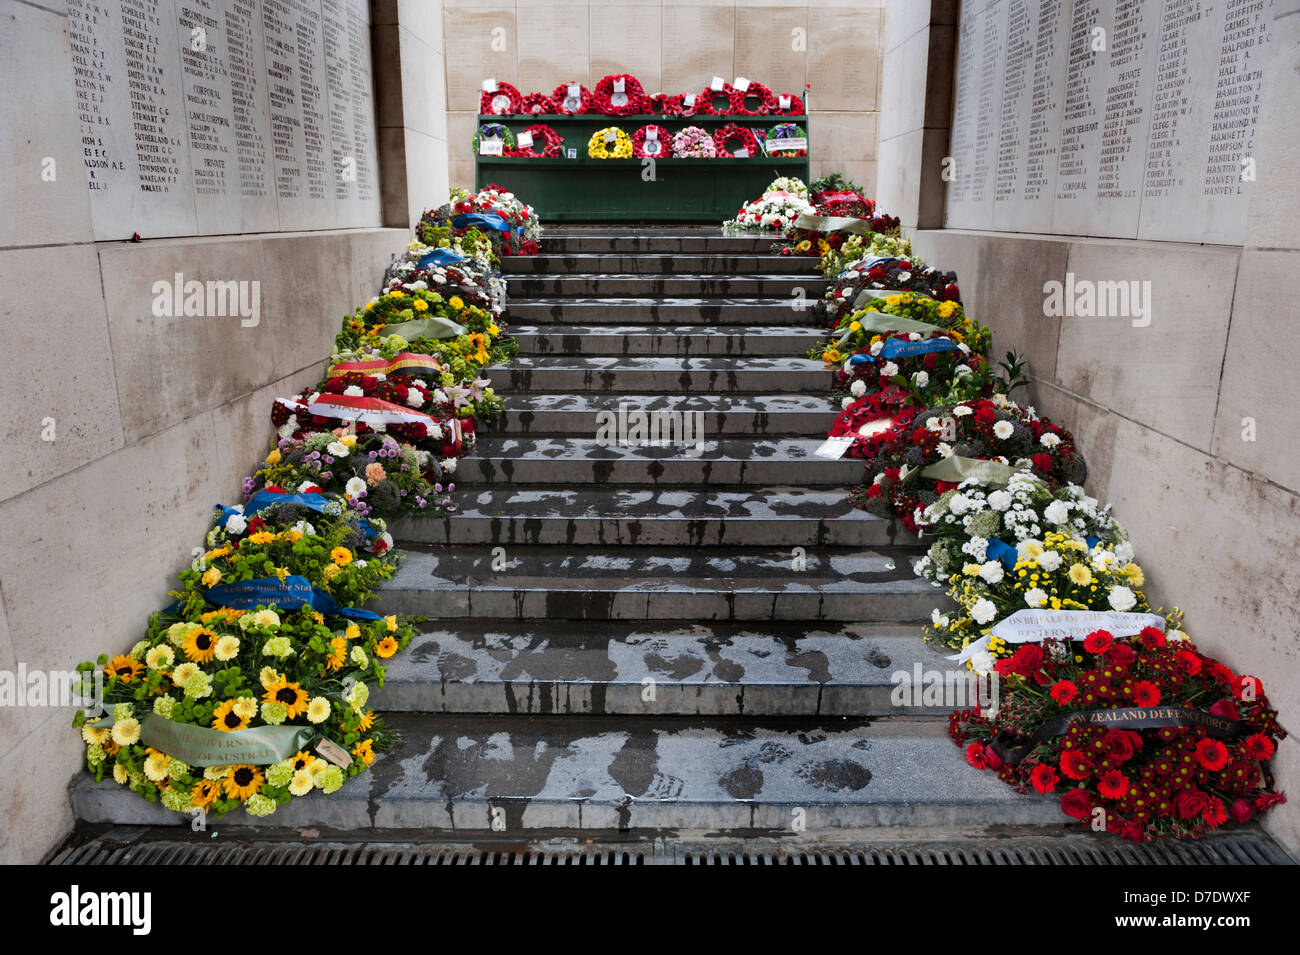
502	101
537	104
661	136
787	104
737	136
607	98
764	103
544	136
579	102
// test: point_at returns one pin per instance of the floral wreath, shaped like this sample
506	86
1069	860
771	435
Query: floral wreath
704	101
766	102
488	129
599	148
772	140
505	99
549	137
693	143
730	133
794	109
560	98
667	105
661	134
634	101
537	104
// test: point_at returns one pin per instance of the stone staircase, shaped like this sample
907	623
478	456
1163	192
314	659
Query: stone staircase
655	638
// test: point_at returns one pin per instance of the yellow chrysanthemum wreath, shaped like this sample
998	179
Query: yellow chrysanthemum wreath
600	148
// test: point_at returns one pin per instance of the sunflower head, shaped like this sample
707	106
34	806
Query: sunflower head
123	668
200	645
241	782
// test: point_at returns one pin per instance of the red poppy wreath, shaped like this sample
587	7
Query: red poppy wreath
711	102
572	98
652	142
619	94
787	104
502	101
734	138
666	105
545	139
763	100
537	104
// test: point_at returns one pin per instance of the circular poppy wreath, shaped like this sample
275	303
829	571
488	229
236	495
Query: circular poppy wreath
599	148
503	102
666	105
773	142
732	133
634	98
794	109
664	137
537	104
551	142
707	102
766	101
489	128
563	104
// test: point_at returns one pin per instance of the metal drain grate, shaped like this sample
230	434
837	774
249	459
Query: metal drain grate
1237	848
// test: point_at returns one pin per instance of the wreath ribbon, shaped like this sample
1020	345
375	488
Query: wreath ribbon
205	746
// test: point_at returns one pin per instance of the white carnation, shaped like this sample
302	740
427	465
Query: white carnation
983	611
858	388
889	369
1000	500
235	524
448	465
992	571
1035	597
1058	512
1121	599
338	449
354	487
354	391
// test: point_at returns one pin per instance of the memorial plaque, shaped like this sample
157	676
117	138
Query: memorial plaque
203	117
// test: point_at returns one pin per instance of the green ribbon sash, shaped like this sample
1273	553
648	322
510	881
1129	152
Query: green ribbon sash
957	469
204	746
833	224
435	327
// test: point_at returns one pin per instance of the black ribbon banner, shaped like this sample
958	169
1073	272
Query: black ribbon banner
1129	718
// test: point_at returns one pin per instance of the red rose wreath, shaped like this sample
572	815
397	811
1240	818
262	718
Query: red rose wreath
544	136
664	137
560	97
537	104
501	102
735	135
633	96
766	101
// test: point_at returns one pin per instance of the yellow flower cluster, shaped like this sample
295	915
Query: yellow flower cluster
599	147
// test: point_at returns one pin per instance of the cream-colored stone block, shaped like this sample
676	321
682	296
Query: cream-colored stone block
306	291
391	98
698	44
772	47
1093	429
420	64
897	189
436	77
242	431
552	46
480	43
426	172
34	779
902	21
1166	374
1275	202
171	367
58	331
843	137
15	721
460	140
1256	422
423	18
843	50
40	136
462	173
392	181
902	91
372	252
628	39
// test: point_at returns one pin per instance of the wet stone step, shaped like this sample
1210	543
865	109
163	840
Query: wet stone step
695	311
639	669
736	341
684	375
652	264
480	773
578	461
690	517
559	243
701	286
579	582
724	414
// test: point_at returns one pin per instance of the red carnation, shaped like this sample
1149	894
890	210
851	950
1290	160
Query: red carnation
1043	461
1113	785
1241	811
1152	638
1212	754
1044	778
985	414
1077	803
1259	747
1256	689
1214	814
1190	803
1075	764
1145	693
1063	691
975	755
1099	641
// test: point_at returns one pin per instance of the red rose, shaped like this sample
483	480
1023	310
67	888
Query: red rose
1259	747
1077	803
1113	785
1146	693
1063	691
1044	778
1099	641
1190	803
1226	709
1212	754
1130	830
1241	811
1119	745
1120	655
1075	764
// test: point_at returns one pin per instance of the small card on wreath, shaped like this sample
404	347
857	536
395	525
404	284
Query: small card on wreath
490	147
741	84
524	140
784	101
489	86
333	752
741	154
835	447
689	100
611	137
620	86
717	84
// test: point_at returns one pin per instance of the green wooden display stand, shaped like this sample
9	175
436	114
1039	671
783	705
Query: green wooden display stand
619	190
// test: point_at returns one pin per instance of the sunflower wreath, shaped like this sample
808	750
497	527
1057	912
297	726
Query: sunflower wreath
711	102
537	104
609	143
564	103
661	137
667	105
631	101
766	101
693	143
550	141
495	131
735	133
783	131
787	104
502	101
